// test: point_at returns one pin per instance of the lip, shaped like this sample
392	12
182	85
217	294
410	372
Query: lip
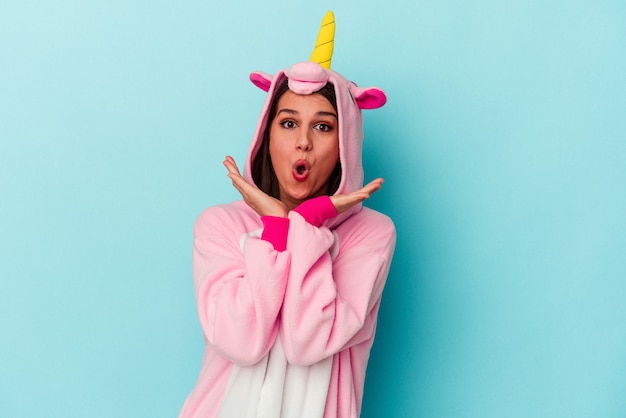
300	170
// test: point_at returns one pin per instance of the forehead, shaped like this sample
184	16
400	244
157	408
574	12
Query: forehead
305	103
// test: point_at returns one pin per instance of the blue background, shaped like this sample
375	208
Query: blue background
503	148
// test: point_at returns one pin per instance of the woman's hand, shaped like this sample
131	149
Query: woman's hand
344	202
259	201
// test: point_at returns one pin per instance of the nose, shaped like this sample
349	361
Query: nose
303	142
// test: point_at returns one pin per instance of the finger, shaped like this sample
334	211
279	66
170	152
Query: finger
373	186
376	183
239	182
233	174
230	165
230	162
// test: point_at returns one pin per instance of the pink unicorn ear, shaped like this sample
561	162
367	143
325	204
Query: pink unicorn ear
261	80
368	97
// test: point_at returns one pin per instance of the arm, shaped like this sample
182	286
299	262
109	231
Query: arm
326	309
331	305
239	291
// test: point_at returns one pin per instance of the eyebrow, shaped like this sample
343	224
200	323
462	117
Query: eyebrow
294	112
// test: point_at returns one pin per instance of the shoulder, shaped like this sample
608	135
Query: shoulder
233	217
370	215
368	227
371	220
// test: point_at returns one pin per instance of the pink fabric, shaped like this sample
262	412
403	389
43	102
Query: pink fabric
319	296
275	231
368	98
261	80
306	77
317	210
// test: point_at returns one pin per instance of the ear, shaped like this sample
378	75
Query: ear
368	97
261	80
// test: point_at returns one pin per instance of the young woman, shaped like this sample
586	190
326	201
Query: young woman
289	279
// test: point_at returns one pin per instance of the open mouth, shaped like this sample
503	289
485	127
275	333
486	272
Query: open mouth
301	170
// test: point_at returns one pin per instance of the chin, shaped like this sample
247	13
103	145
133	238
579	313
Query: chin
303	192
301	196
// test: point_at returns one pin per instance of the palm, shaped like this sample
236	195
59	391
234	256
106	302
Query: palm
343	202
259	201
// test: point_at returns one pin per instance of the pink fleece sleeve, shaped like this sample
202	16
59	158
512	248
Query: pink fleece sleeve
275	230
331	303
239	287
317	210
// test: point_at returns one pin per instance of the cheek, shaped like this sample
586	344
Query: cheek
334	151
331	156
277	153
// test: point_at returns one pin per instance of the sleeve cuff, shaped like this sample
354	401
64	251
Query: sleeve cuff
317	210
275	231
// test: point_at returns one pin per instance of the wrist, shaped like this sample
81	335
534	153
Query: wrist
275	231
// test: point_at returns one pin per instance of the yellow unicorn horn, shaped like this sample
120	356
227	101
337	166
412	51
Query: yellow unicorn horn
323	51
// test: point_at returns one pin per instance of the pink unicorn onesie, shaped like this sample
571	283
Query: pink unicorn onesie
289	309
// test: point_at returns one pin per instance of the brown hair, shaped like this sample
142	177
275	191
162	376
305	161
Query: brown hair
262	169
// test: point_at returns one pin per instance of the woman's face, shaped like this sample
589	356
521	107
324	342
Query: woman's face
304	146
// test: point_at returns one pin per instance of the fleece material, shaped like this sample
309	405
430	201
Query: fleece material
275	230
320	297
308	286
318	210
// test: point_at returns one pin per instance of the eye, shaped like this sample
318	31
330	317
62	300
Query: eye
324	127
288	124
